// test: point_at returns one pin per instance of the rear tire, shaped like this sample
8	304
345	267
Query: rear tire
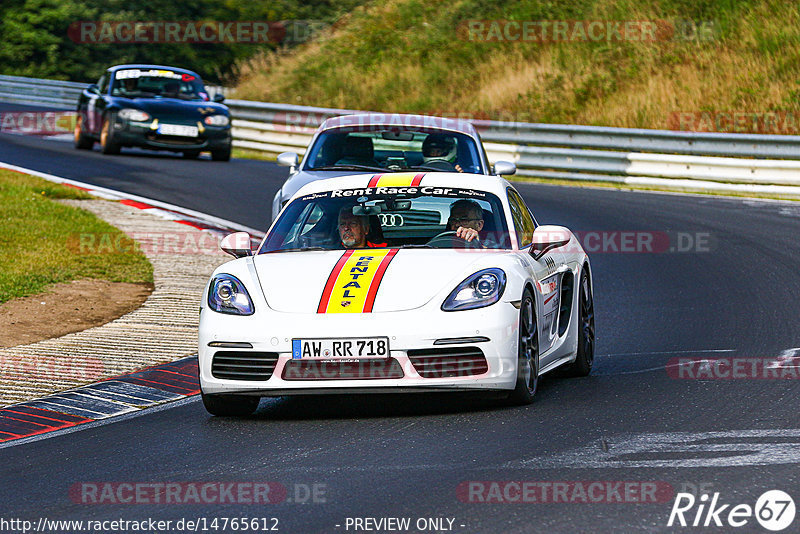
230	405
582	365
81	140
107	144
527	353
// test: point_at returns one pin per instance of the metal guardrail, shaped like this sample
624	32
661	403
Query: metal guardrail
38	91
683	160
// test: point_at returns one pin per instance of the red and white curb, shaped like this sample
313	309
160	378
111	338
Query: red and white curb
196	219
127	393
111	397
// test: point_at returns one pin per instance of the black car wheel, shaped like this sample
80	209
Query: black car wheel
582	365
82	141
528	353
107	143
230	405
223	154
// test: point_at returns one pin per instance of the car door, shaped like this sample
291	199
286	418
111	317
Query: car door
544	271
102	101
95	105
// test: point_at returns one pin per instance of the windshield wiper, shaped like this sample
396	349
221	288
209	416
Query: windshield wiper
414	246
347	168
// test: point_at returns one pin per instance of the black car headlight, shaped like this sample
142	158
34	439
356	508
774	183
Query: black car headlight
227	294
217	120
478	290
135	115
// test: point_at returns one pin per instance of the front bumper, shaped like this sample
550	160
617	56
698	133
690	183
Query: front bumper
408	331
142	135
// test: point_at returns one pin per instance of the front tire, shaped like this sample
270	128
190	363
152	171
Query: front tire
81	140
230	405
582	365
107	143
527	353
222	154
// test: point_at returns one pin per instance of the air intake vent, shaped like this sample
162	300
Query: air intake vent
364	369
243	365
448	362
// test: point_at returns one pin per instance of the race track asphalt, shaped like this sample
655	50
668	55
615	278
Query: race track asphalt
732	294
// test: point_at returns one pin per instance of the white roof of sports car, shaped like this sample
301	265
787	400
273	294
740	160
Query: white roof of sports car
481	182
399	119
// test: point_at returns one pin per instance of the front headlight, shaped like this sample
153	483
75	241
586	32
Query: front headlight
227	294
217	120
135	115
478	290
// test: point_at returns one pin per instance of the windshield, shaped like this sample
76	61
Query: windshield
395	148
389	217
157	83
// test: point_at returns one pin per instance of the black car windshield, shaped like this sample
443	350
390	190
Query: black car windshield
389	217
157	83
395	148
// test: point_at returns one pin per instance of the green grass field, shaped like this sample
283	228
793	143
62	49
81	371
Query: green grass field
38	240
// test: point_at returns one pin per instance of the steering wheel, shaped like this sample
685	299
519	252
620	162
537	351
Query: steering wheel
442	164
448	239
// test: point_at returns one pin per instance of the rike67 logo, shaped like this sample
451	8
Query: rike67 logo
774	510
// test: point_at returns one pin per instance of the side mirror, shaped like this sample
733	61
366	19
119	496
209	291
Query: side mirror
93	89
504	168
236	244
288	159
548	237
219	97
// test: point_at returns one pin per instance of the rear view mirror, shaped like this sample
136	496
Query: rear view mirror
366	210
399	205
236	244
93	89
504	168
397	136
288	159
548	237
219	97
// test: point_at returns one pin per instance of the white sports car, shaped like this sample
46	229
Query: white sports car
396	283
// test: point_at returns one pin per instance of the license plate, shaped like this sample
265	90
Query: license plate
177	129
340	348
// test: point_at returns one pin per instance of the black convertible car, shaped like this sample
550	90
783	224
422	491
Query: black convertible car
154	107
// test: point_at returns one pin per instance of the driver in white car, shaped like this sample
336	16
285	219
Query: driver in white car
466	219
438	148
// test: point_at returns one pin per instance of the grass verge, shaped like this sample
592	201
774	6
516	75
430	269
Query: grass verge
247	153
37	237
